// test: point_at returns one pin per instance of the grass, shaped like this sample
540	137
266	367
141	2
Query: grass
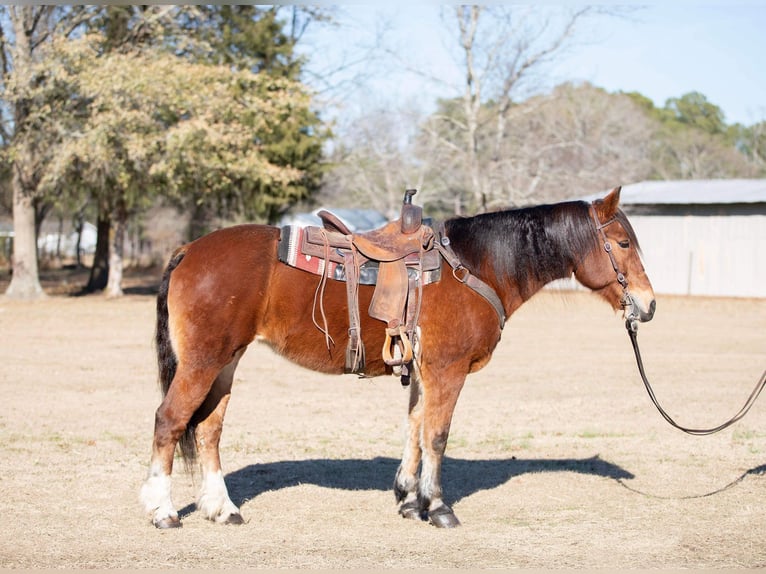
593	434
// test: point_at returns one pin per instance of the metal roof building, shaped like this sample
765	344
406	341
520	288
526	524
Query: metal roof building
701	237
695	192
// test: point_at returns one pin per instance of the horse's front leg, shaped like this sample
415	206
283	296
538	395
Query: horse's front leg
440	394
406	481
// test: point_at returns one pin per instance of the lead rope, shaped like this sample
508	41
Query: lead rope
632	328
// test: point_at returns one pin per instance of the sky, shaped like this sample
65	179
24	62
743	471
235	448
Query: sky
662	50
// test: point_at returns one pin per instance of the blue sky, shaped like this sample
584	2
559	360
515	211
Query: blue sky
662	50
674	48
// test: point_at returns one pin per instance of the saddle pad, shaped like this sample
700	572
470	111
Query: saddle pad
299	248
291	239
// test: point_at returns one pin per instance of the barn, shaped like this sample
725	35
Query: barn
701	237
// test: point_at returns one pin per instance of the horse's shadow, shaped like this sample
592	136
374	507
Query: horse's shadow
461	477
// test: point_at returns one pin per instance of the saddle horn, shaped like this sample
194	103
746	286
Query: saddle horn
412	215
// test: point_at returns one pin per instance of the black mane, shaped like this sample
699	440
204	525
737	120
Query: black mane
530	246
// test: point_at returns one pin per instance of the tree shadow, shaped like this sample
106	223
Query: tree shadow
460	477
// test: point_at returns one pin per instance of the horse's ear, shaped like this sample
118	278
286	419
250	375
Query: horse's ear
607	207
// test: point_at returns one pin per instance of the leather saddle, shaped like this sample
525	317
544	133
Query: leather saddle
398	258
388	243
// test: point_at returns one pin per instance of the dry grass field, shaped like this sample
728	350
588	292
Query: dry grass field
557	459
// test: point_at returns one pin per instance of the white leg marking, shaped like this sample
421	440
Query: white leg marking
427	479
156	497
214	501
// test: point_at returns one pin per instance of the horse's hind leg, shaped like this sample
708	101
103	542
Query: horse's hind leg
187	392
214	501
406	481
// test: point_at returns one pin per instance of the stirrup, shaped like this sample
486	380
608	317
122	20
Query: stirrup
403	342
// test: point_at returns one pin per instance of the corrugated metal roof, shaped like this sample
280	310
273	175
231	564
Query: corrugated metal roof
691	191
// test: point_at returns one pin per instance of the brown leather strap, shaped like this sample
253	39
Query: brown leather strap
463	275
632	327
319	297
355	356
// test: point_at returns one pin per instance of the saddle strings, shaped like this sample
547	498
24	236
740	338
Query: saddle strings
319	293
355	343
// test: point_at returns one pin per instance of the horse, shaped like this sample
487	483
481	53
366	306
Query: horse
227	289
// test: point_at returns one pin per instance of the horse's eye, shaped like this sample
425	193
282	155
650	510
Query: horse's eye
625	243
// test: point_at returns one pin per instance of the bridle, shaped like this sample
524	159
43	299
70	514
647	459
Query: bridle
626	299
631	325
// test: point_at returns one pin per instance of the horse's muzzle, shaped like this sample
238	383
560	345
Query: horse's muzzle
635	310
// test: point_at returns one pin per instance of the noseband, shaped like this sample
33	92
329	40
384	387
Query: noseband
626	299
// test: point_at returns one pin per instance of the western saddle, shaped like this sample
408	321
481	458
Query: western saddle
399	258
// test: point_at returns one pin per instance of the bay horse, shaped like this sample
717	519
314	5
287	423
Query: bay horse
225	290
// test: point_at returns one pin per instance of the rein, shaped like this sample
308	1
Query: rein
631	325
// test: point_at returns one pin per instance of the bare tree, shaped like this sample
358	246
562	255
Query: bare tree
464	147
695	154
755	145
372	167
340	65
503	50
575	141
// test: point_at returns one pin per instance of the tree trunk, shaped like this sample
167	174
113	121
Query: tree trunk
79	225
99	272
25	282
468	20
116	251
199	224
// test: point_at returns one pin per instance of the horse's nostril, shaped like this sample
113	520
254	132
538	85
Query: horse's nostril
650	313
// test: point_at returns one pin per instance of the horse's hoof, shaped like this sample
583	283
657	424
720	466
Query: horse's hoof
411	510
443	517
235	519
168	522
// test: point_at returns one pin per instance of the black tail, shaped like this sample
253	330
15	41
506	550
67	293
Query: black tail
166	357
